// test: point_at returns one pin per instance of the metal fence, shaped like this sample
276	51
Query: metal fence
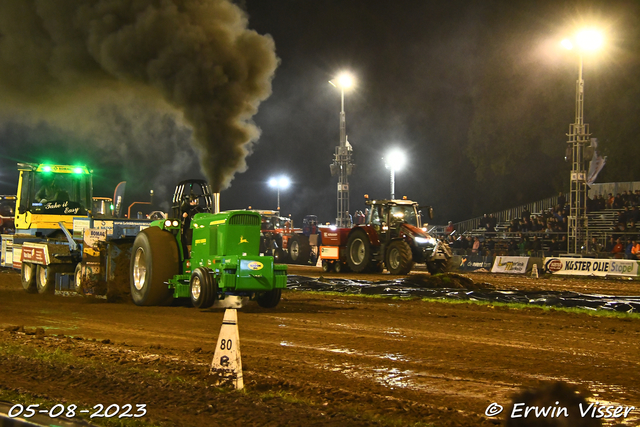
612	187
541	205
508	214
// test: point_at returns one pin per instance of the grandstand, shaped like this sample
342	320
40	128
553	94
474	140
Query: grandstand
601	224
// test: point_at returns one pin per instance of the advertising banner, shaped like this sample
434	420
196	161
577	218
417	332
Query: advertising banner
475	262
591	266
510	264
91	238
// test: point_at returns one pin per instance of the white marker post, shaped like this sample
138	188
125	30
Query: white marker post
227	364
534	271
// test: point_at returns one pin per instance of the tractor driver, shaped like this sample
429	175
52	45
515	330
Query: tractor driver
189	208
49	189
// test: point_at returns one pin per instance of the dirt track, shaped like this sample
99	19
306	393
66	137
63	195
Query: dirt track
317	359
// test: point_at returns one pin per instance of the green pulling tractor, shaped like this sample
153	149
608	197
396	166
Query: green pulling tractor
203	255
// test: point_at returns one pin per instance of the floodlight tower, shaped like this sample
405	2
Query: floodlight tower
585	40
394	161
281	183
342	159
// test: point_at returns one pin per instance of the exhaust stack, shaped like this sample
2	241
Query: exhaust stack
216	203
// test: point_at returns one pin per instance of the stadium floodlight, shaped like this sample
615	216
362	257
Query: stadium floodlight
280	183
394	161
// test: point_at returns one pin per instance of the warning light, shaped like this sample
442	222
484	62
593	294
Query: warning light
46	169
77	170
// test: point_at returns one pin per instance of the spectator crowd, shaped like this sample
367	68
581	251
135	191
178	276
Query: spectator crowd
545	234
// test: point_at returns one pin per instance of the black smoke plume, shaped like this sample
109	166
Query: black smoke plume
192	60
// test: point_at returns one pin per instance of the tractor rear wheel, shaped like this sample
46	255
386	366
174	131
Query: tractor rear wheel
45	279
269	299
203	288
299	249
28	276
399	259
358	251
154	260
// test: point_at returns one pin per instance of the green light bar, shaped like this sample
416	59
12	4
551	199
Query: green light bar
63	169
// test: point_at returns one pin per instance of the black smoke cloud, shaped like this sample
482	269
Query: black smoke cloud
107	70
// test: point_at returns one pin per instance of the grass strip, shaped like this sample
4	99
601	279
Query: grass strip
509	305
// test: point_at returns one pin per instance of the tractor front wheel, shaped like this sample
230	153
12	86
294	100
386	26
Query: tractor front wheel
399	259
154	260
269	299
203	288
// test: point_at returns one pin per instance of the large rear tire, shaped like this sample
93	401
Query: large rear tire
203	288
399	259
358	251
45	279
299	249
154	260
269	299
28	276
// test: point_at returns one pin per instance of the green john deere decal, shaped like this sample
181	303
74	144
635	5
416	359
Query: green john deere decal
243	240
255	265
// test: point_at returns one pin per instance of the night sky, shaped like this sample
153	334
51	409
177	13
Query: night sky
479	95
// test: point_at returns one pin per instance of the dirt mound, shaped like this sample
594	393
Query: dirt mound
446	280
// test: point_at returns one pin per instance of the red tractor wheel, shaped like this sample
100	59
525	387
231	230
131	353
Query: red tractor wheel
399	259
358	251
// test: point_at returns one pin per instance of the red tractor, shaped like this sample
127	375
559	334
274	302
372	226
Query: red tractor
280	240
392	237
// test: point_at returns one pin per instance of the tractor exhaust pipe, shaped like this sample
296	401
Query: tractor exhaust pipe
216	202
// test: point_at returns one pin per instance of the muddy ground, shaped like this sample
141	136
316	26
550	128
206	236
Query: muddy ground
317	359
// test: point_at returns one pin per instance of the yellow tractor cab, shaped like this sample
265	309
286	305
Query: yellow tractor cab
49	194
